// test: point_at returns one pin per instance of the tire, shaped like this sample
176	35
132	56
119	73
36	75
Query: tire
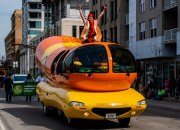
71	121
46	111
124	122
54	111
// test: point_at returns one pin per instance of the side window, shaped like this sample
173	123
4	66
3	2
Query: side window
123	60
60	61
55	62
69	62
63	56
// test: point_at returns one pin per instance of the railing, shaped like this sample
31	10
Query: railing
170	35
170	3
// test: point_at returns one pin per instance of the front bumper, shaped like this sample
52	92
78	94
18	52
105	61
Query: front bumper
99	113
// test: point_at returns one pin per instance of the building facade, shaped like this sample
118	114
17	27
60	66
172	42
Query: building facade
154	28
61	18
33	25
12	42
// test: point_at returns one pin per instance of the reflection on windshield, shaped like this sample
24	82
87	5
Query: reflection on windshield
91	58
123	60
20	78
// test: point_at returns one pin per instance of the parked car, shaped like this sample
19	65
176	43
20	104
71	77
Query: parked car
19	78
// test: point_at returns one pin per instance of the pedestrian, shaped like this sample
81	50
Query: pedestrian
8	88
172	86
42	79
29	79
38	79
91	31
152	87
166	87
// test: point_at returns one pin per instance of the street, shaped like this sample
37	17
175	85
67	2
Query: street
20	115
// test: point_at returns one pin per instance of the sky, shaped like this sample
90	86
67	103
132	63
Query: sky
7	7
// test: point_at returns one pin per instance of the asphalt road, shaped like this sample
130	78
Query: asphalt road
19	115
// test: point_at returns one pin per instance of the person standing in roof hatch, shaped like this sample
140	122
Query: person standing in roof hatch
91	31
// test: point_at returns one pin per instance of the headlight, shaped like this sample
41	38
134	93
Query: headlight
76	104
142	102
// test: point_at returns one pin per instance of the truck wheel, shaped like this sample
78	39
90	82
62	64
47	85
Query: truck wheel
54	111
46	110
124	122
71	121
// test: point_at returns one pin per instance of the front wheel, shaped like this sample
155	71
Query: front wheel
46	111
124	122
71	121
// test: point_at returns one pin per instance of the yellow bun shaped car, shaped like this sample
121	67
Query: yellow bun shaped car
88	81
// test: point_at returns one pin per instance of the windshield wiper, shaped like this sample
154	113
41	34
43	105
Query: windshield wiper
127	72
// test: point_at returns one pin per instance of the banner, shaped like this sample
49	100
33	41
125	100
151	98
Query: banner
22	89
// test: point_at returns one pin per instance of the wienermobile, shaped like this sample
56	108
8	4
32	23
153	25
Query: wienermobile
88	81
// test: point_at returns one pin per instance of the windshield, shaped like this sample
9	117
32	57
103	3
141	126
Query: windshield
20	78
92	58
123	60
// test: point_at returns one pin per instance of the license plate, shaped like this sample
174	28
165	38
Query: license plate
110	115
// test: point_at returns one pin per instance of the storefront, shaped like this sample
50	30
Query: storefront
163	69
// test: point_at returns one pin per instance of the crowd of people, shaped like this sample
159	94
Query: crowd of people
170	88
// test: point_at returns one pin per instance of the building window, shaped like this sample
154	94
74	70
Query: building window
115	34
80	30
177	68
105	35
116	13
142	5
93	2
153	27
152	3
95	14
112	10
142	31
35	24
34	32
102	19
111	34
74	31
105	16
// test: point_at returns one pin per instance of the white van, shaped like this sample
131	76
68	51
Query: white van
19	78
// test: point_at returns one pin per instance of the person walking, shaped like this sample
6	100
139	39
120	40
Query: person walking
8	88
172	86
29	79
